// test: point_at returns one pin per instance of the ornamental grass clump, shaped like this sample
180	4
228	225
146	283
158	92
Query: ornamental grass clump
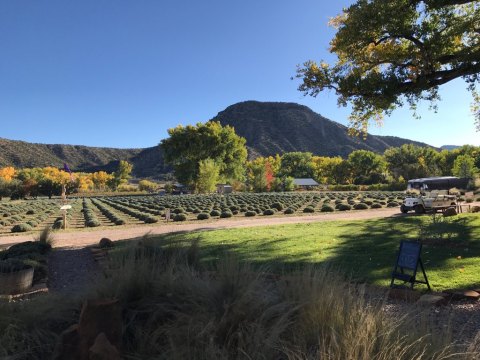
177	307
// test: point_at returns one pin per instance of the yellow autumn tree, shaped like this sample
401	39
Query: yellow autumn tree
7	173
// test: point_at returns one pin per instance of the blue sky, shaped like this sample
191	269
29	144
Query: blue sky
119	73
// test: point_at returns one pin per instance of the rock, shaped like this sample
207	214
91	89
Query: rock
471	294
465	295
102	349
404	294
450	212
105	243
432	300
67	345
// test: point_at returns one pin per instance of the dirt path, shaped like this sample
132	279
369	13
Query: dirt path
76	238
71	270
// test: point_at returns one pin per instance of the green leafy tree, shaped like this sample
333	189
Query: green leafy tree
397	52
258	176
342	173
188	145
208	174
410	161
297	165
367	167
146	185
323	168
122	175
4	188
464	167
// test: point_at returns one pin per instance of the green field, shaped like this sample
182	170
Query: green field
362	250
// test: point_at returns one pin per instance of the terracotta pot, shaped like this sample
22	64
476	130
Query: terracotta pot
16	282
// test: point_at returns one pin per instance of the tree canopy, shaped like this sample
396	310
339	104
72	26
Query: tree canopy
188	145
397	52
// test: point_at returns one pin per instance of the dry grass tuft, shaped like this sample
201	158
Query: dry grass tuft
46	236
179	309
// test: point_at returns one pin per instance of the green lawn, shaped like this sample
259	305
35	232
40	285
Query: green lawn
364	250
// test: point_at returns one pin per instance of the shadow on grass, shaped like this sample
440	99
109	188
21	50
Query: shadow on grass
363	250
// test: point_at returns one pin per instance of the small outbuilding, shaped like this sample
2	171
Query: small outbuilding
307	183
224	189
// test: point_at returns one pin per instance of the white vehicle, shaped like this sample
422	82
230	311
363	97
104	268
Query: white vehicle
432	201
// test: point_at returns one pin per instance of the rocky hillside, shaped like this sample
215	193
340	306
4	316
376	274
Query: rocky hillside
147	162
270	128
275	128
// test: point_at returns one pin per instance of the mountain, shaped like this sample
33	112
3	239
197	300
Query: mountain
269	127
275	128
146	162
449	147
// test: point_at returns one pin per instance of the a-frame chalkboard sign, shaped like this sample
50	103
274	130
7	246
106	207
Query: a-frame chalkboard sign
407	263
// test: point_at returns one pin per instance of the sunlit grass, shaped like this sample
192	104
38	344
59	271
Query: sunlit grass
365	250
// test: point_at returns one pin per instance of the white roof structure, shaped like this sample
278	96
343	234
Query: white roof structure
305	182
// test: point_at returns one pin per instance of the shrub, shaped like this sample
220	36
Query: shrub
289	211
203	216
58	224
268	212
12	265
279	206
179	217
360	206
450	212
151	219
21	228
344	207
214	213
226	214
92	223
105	243
327	208
30	212
309	209
178	210
375	206
250	213
25	248
392	204
119	222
